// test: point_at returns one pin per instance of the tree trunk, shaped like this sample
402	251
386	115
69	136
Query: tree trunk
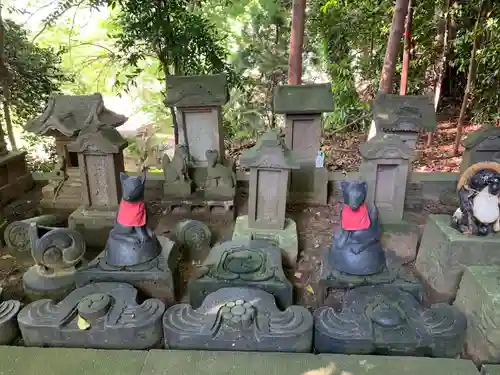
406	50
391	53
4	80
296	42
7	117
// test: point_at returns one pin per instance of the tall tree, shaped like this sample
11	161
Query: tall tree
406	50
296	42
5	78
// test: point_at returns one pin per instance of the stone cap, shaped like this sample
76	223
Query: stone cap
303	99
386	146
269	153
69	114
475	138
197	91
105	140
410	113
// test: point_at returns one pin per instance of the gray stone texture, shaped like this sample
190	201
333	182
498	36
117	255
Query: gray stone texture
303	99
481	145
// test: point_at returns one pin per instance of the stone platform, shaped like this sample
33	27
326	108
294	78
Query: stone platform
60	361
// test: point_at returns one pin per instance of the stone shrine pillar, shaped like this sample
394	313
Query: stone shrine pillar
404	116
100	157
483	145
303	106
386	162
270	163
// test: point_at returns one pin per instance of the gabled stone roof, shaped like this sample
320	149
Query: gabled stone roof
106	140
475	138
386	146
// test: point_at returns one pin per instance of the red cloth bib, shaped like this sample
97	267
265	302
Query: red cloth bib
131	214
355	219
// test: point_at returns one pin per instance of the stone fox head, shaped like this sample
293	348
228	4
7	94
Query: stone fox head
133	187
354	193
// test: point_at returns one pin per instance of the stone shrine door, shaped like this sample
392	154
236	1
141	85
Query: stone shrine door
267	204
385	193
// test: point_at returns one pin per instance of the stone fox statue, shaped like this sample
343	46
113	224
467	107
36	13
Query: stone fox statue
130	241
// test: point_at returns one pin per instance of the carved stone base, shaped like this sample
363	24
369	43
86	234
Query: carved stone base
394	274
15	179
8	321
444	253
242	264
38	284
99	315
286	239
155	278
309	185
387	320
244	319
198	205
95	225
178	189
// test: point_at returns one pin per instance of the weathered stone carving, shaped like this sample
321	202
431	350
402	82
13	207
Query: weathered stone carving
483	145
195	238
221	179
56	252
388	320
8	320
238	319
197	91
255	263
99	315
176	173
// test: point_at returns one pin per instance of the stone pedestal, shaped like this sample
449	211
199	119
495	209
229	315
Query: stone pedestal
95	225
99	316
483	145
478	297
444	253
390	321
155	278
15	179
242	319
255	264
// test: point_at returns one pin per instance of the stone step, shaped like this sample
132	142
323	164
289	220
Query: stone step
62	361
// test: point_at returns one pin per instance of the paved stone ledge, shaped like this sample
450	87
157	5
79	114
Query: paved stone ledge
61	361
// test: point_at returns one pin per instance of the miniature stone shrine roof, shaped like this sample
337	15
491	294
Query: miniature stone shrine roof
106	140
477	137
386	146
197	91
303	99
410	113
269	152
69	114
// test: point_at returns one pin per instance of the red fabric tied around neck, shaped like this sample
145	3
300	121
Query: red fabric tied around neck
355	219
132	214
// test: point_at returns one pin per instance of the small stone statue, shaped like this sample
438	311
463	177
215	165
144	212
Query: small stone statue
478	191
176	173
356	247
221	179
131	242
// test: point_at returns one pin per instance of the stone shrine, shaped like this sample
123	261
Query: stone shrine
8	320
100	160
57	253
244	319
242	263
483	145
99	316
270	163
404	115
303	106
389	321
64	117
198	176
356	257
133	253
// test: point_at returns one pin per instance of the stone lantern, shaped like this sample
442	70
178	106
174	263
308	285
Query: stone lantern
303	106
270	163
483	145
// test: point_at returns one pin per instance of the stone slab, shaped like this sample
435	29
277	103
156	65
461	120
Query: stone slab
189	362
444	253
302	99
490	370
61	361
93	224
478	297
401	241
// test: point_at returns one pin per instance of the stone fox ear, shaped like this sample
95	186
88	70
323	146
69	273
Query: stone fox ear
123	176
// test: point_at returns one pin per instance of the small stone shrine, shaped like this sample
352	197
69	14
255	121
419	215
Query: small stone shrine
386	162
244	319
242	263
98	316
303	106
198	176
100	160
356	257
270	163
57	253
483	145
64	118
8	320
389	321
133	253
404	116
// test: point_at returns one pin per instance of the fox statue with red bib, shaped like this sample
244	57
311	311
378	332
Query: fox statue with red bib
356	248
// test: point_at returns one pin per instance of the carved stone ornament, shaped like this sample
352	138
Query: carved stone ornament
8	321
388	320
485	139
244	319
103	140
386	146
193	235
99	315
197	91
